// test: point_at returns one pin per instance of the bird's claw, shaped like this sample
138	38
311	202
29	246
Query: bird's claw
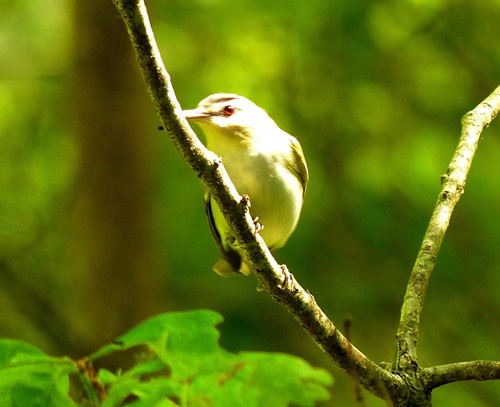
257	226
288	278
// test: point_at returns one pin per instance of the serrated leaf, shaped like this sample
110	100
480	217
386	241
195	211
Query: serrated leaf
200	373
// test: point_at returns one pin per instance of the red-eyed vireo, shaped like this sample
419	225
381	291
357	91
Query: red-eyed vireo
263	161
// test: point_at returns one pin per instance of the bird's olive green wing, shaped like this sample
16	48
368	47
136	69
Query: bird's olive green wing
297	165
230	256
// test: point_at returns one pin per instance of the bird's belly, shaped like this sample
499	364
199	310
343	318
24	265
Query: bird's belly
275	198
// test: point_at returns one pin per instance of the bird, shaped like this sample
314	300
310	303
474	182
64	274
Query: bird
263	161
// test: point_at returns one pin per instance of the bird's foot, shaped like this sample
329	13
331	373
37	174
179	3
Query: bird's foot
257	226
288	278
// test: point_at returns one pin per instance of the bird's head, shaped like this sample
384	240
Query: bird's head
231	116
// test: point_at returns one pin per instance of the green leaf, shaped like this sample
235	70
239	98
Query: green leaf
261	379
155	392
29	377
284	378
185	341
106	377
186	366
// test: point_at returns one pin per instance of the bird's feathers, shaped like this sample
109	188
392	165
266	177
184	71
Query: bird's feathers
231	261
263	161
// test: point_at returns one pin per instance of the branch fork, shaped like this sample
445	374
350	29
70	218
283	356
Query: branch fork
406	384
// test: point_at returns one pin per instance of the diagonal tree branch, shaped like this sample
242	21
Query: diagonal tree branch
452	187
292	296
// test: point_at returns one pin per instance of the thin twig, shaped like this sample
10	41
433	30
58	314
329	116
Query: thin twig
357	388
293	297
452	187
476	370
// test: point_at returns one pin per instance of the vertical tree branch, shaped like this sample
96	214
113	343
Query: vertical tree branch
452	187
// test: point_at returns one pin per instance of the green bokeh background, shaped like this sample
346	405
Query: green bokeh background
102	224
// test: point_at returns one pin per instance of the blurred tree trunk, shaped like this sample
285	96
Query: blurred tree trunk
115	260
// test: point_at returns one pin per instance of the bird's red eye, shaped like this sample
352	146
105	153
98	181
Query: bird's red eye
229	110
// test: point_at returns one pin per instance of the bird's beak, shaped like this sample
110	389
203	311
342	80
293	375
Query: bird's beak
196	115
